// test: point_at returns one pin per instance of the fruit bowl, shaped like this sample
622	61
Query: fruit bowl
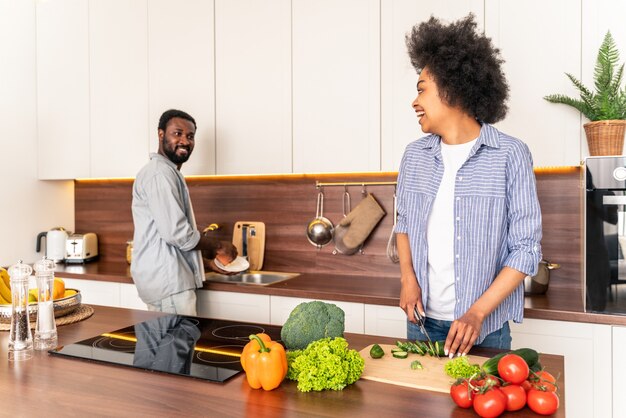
62	306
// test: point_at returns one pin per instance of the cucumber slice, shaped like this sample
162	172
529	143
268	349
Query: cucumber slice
400	354
416	365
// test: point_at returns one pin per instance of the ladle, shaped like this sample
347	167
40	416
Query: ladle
320	230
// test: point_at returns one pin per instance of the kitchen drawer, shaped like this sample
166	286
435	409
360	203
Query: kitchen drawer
234	306
388	321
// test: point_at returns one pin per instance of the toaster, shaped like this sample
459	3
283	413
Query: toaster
81	248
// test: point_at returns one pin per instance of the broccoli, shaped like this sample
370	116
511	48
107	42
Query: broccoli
312	321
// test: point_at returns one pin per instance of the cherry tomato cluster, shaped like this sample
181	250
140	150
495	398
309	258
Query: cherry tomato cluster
516	387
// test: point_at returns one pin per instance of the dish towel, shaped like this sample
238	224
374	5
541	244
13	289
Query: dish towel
361	221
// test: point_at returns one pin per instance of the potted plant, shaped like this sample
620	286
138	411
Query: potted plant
606	106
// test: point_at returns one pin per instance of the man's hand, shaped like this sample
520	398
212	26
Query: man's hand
226	253
210	263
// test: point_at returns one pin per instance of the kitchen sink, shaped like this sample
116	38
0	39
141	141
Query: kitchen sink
257	278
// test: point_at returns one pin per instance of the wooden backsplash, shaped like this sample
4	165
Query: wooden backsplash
286	203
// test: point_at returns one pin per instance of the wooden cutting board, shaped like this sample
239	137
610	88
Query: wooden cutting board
255	232
395	371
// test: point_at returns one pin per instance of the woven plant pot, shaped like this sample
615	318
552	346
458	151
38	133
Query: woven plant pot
605	137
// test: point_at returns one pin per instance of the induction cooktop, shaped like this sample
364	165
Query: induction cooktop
203	348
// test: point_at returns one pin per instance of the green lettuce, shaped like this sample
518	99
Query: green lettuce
325	364
460	367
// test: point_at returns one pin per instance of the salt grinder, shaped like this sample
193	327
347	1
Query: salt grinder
45	329
20	337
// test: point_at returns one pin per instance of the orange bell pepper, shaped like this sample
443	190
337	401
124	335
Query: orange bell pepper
264	362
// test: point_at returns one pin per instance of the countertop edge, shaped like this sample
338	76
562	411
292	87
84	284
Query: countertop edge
291	289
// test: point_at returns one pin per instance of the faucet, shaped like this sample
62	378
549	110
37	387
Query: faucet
210	228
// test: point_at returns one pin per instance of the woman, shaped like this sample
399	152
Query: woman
469	222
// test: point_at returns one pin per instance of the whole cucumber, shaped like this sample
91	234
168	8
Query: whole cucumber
530	356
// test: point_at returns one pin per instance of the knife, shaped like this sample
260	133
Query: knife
420	322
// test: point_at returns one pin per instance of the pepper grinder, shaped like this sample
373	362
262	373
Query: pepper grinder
45	329
20	337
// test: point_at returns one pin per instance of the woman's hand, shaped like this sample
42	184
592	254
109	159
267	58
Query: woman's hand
410	292
411	296
463	333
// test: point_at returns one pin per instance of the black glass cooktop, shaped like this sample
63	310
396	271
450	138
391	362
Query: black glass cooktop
203	348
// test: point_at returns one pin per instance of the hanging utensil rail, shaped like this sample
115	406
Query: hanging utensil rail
319	184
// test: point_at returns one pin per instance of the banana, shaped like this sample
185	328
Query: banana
5	289
4	275
3	302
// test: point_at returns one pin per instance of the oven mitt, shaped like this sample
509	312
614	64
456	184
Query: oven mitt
361	222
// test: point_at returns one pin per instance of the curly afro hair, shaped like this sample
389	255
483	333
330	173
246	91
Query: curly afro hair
464	64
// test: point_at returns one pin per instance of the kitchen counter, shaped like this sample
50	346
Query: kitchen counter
559	303
54	386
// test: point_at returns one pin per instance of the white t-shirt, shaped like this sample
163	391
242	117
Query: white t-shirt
440	235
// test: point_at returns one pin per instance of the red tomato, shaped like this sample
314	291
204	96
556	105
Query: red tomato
487	380
513	369
527	385
543	402
490	404
516	397
461	394
544	380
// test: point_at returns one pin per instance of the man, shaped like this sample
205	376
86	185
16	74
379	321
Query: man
167	263
469	222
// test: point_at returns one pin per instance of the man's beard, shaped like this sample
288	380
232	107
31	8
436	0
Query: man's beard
173	157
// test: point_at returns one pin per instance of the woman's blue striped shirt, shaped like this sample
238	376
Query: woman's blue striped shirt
497	218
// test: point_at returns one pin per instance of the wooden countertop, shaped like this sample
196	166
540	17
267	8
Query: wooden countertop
559	303
54	386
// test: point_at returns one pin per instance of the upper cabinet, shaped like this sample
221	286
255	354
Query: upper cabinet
399	125
63	121
181	73
118	87
535	62
336	85
284	86
253	86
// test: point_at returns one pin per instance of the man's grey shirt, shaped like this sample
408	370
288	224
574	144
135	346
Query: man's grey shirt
164	262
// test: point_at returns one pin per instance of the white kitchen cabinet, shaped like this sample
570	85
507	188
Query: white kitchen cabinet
619	370
233	306
129	297
586	348
63	89
535	64
399	125
181	73
253	86
95	292
281	307
336	85
388	321
118	62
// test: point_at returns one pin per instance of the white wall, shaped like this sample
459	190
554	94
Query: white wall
569	36
27	205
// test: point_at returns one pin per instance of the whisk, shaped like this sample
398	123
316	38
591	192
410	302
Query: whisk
392	247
